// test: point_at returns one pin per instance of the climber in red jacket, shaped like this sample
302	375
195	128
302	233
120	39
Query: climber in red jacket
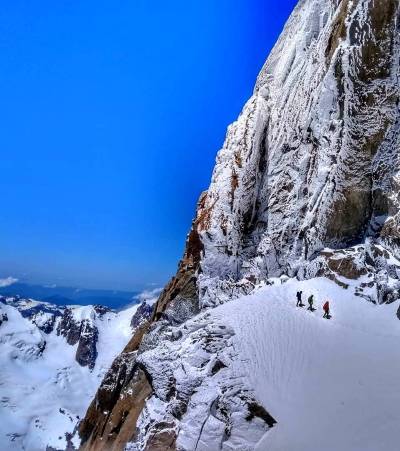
326	310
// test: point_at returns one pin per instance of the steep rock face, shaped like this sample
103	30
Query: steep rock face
142	314
3	317
305	185
86	352
118	401
82	331
371	269
312	160
69	328
100	429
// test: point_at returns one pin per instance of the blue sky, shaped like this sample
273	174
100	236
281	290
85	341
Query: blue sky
112	114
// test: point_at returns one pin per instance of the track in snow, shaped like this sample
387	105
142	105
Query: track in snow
332	385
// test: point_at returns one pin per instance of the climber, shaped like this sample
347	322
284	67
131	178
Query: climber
299	303
310	302
326	310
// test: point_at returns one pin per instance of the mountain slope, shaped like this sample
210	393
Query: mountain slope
331	384
305	186
52	359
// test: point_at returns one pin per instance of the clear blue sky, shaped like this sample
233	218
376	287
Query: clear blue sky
112	114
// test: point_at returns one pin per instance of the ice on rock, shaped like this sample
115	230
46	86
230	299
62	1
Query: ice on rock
304	194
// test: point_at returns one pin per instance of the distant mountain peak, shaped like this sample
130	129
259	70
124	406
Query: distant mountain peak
52	359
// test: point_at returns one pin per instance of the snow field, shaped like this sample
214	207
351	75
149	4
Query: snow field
332	385
43	395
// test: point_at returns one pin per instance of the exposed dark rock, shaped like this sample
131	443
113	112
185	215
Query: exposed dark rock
119	392
3	318
257	410
43	315
162	437
86	352
101	310
119	423
42	346
345	265
142	314
218	365
83	332
69	328
368	267
177	302
48	326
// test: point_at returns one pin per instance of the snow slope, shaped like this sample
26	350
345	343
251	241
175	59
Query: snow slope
43	389
330	384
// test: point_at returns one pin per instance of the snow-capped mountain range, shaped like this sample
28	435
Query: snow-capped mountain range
52	359
304	196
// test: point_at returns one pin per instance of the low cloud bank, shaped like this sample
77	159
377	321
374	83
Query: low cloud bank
7	281
150	296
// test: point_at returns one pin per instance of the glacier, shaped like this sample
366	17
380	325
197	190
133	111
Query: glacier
46	378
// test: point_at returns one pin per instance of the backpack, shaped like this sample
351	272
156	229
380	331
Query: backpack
326	306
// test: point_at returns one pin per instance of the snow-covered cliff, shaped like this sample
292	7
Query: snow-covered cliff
312	162
305	186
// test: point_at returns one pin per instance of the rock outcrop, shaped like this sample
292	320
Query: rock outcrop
82	331
306	184
3	318
118	401
372	270
142	314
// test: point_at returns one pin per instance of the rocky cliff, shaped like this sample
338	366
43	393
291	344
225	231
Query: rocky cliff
306	185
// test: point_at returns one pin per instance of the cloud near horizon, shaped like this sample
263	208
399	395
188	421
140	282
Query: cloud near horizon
7	281
150	296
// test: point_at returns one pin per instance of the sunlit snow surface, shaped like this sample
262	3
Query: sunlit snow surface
42	395
332	385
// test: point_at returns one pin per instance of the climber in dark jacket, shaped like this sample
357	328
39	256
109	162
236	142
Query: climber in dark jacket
299	303
326	310
310	302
